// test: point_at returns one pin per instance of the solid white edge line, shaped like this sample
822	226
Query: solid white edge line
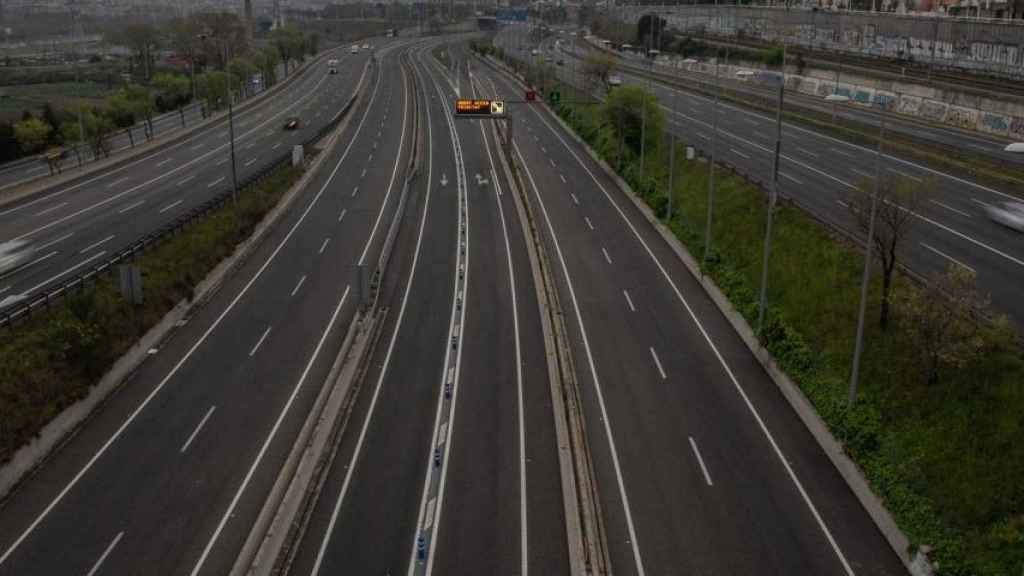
215	182
192	436
103	557
950	208
169	206
96	244
259	342
927	246
65	272
51	209
657	363
750	406
700	460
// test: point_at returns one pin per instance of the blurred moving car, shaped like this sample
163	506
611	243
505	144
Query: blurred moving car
292	123
614	80
14	254
1009	214
366	46
332	66
354	49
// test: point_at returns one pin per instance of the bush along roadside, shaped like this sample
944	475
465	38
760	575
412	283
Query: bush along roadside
939	417
53	359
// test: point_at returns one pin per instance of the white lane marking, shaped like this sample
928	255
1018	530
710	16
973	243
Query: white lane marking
947	256
4	289
229	513
544	150
841	152
52	242
299	285
259	342
162	162
198	146
64	273
979	243
606	256
843	204
275	146
355	191
862	172
249	145
324	245
215	182
629	301
52	209
370	158
363	175
657	362
563	179
732	377
250	162
904	174
808	152
587	220
222	161
552	160
184	181
96	244
342	215
950	208
195	432
980	203
170	206
116	182
738	153
574	198
703	468
131	207
38	260
110	548
784	175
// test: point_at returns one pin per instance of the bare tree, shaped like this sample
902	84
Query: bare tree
597	67
899	199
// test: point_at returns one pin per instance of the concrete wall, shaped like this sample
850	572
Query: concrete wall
993	46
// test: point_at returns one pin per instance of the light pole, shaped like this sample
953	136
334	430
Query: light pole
231	122
711	164
773	197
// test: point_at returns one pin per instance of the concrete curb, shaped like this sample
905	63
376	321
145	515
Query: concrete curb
803	407
20	190
65	424
587	539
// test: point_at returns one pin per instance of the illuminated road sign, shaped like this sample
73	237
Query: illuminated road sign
479	107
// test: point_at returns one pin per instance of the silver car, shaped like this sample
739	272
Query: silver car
14	254
1009	214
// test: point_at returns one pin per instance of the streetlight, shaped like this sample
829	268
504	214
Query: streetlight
231	120
773	197
866	276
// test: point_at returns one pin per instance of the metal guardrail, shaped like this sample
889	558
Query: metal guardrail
44	298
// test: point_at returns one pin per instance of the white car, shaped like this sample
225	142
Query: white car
366	46
615	80
354	49
14	254
1009	214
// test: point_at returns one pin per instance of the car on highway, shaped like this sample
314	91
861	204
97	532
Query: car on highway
292	123
14	253
614	80
535	52
354	49
1009	214
332	66
366	46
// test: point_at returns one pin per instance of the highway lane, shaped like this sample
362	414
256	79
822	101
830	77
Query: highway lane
110	210
447	381
170	474
702	465
820	172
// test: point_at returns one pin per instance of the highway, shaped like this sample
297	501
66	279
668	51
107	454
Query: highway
458	387
74	225
820	171
702	465
169	475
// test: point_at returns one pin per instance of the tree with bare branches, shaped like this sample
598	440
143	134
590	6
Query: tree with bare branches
899	199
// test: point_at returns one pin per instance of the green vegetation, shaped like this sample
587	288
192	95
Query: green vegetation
53	359
937	428
61	95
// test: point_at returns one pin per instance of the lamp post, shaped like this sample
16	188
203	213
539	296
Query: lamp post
773	198
231	123
711	164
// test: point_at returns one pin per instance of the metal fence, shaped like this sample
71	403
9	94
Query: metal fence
47	296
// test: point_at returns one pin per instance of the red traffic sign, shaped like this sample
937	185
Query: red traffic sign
531	95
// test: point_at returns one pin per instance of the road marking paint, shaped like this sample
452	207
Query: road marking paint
198	146
274	147
64	273
250	162
370	159
110	548
843	204
574	198
862	173
587	220
563	179
299	285
950	208
342	215
629	301
784	175
249	145
169	206
195	432
259	342
606	256
38	260
131	207
363	174
162	162
186	180
808	152
324	245
841	152
946	256
904	174
982	204
738	153
215	182
52	242
52	209
703	468
222	162
355	191
4	289
96	244
657	363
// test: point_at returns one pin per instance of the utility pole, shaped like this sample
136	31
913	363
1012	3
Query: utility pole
231	128
772	199
711	164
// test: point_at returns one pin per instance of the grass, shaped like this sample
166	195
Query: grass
54	359
62	95
947	459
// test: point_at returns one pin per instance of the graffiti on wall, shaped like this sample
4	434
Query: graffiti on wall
962	117
994	123
932	110
1016	128
909	105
